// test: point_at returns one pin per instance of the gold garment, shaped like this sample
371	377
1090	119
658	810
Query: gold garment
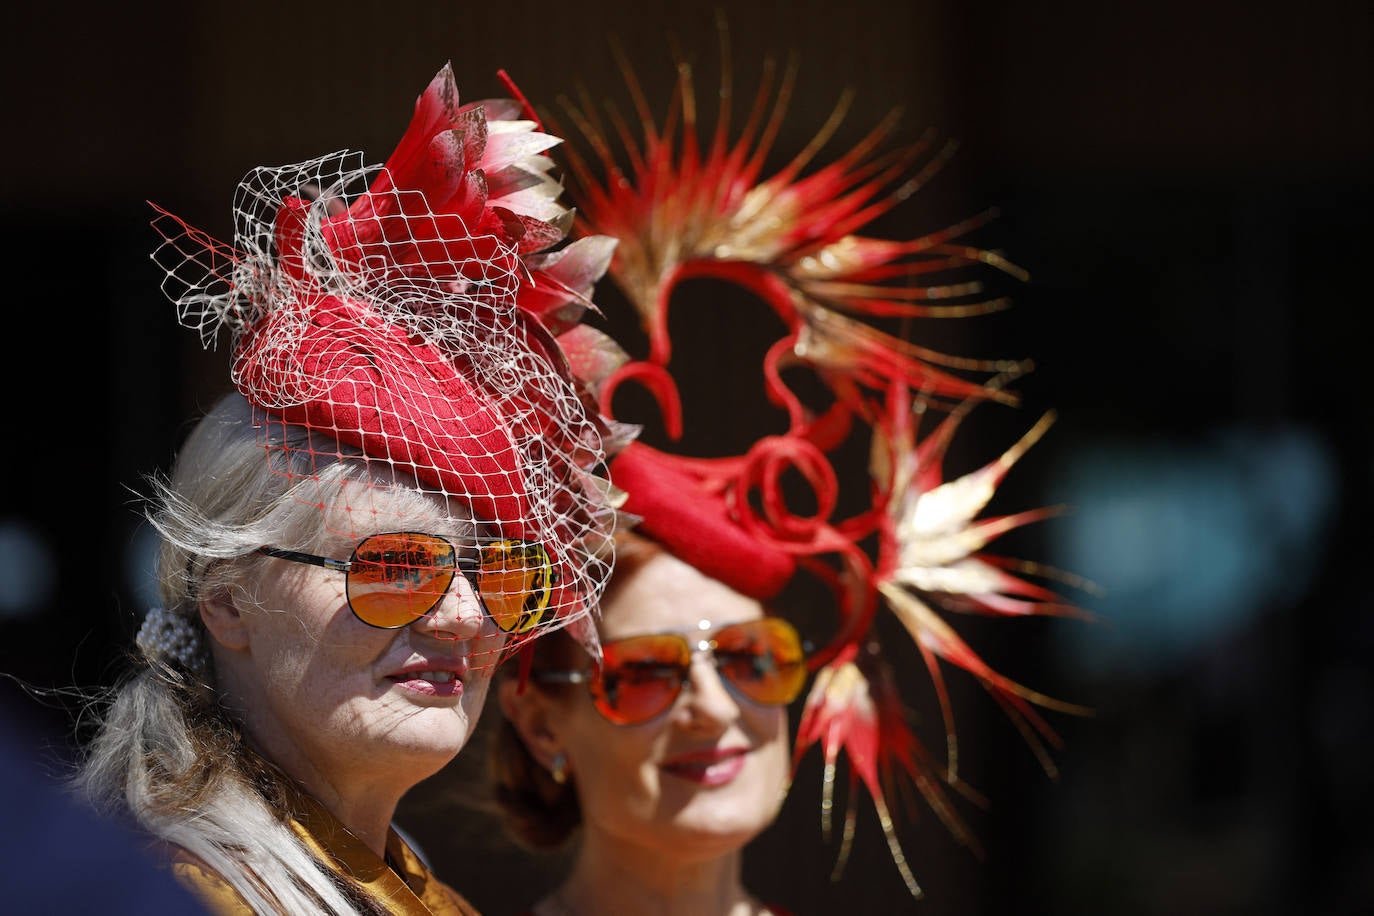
410	890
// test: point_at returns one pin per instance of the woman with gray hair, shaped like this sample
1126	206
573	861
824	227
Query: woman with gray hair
399	492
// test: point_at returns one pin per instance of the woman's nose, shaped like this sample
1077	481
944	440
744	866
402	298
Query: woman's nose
458	615
708	701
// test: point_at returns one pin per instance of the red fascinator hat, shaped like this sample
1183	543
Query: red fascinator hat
425	316
683	208
678	505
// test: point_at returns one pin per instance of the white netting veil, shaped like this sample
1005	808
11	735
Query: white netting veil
412	314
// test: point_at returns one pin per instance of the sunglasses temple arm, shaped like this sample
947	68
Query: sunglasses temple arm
296	556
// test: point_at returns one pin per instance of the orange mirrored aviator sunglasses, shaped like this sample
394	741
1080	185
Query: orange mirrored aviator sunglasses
640	677
394	579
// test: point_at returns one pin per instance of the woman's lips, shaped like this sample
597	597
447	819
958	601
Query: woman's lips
446	681
715	767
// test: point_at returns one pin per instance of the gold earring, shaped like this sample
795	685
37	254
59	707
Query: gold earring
558	769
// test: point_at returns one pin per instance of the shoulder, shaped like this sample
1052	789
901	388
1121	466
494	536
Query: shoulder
443	900
412	867
209	887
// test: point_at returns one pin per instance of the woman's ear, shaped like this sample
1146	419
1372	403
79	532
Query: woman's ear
224	621
531	714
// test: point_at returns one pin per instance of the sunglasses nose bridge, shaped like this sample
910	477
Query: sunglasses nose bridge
458	613
707	695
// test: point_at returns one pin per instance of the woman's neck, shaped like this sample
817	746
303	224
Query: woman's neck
365	806
362	793
366	815
615	876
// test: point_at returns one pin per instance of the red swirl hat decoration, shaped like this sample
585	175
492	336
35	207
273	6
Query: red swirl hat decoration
686	208
425	314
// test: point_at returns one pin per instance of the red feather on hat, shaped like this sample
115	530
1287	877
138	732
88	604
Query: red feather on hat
421	318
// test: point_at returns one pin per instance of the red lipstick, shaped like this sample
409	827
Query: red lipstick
710	768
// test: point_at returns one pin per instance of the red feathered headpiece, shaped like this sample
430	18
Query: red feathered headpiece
420	314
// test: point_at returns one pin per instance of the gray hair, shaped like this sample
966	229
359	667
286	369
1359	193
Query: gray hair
166	751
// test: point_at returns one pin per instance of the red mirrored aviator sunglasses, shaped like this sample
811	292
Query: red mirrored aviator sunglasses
640	677
394	579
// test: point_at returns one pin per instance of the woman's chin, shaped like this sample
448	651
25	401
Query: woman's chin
722	820
744	806
425	743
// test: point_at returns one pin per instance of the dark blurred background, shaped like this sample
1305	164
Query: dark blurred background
1188	186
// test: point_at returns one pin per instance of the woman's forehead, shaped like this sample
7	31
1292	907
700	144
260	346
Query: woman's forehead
371	506
666	595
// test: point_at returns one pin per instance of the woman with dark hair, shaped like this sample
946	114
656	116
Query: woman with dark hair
667	749
400	490
670	754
